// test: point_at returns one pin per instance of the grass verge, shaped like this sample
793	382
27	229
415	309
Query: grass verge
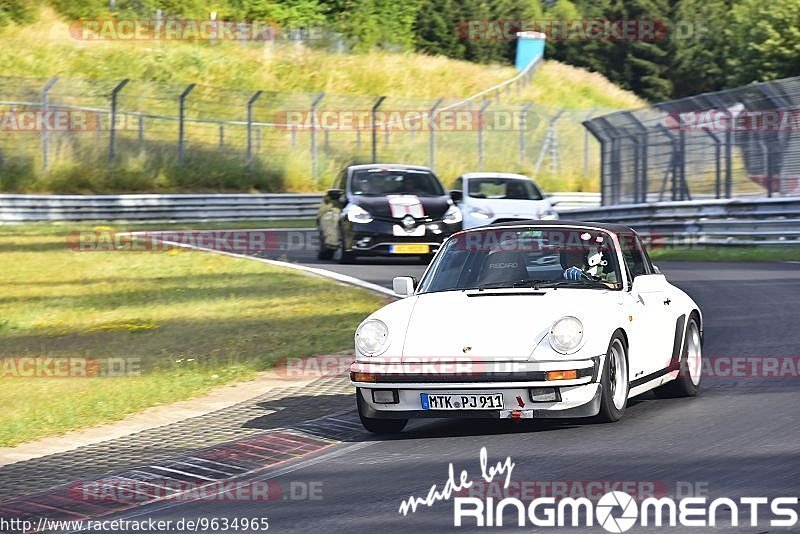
189	321
732	253
228	73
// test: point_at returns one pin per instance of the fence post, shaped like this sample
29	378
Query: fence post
182	120
141	129
643	176
250	102
372	115
523	130
313	133
485	105
432	135
45	134
765	158
221	135
717	165
112	137
586	144
599	134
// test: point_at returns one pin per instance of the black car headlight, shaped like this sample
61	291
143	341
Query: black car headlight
357	214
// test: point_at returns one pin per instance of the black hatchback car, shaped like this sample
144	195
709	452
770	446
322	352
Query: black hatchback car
385	210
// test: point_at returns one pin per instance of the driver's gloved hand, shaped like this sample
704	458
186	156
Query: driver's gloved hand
573	273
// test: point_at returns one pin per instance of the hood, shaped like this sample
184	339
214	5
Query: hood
507	327
397	206
527	209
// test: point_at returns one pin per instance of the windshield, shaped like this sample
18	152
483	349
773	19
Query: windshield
380	182
503	188
525	257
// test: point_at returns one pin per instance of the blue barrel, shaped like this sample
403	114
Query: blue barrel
530	47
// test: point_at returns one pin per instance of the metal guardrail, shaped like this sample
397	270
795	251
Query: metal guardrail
188	207
155	208
763	221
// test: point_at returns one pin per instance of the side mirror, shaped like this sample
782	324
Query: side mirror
456	195
334	194
649	283
403	286
656	269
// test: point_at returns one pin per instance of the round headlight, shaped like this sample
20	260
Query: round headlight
566	334
372	337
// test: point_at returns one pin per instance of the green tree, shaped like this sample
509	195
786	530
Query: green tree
767	40
641	66
437	30
17	11
703	46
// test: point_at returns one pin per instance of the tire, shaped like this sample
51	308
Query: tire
324	253
615	381
687	383
379	426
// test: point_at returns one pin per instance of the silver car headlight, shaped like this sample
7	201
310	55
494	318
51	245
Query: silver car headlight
548	214
566	334
453	215
372	337
481	213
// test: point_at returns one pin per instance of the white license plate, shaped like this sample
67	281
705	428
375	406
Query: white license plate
461	401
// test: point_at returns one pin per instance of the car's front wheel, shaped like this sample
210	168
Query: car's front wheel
323	252
614	382
344	256
379	426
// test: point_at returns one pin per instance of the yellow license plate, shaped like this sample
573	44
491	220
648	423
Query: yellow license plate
411	248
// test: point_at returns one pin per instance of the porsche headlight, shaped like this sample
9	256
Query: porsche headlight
357	214
566	334
372	337
452	216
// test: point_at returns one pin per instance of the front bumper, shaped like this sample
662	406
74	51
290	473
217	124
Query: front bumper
377	237
577	398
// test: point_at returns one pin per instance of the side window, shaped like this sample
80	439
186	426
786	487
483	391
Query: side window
635	259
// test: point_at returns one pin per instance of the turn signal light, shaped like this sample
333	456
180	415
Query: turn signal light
561	375
363	377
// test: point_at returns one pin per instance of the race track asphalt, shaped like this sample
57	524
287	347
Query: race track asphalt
740	437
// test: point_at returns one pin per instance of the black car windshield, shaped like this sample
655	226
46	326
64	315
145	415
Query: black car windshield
380	182
503	188
537	257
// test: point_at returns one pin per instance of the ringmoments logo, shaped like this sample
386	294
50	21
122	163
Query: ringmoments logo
615	511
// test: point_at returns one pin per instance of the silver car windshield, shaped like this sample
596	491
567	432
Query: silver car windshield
498	188
525	257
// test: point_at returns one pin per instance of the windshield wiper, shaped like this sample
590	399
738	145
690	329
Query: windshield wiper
500	285
585	282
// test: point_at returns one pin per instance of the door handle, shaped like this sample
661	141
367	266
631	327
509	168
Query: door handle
667	302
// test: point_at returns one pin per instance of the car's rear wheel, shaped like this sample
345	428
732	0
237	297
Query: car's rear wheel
687	384
324	253
379	426
614	382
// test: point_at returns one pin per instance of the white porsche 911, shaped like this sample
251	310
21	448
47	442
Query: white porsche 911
533	319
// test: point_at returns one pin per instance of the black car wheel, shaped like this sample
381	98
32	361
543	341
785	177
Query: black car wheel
345	256
323	252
